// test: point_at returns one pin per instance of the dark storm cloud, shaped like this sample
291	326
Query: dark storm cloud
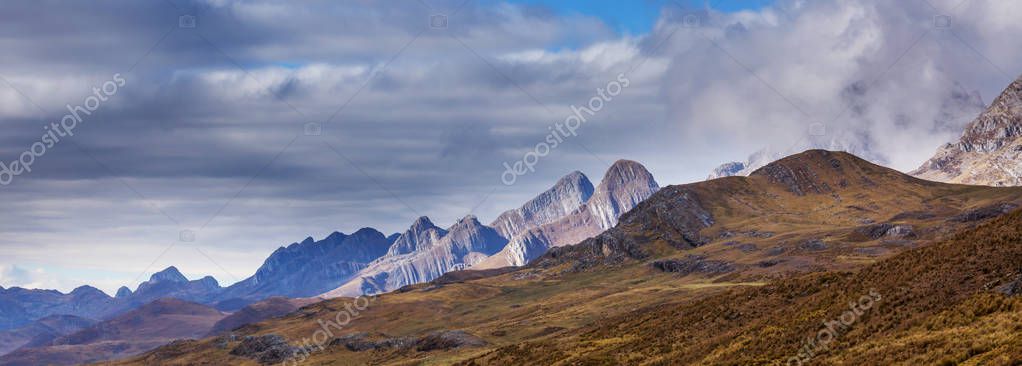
209	132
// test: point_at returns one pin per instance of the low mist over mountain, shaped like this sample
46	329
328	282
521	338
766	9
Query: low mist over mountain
989	151
958	106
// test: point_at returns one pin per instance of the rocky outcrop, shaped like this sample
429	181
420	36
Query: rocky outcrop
693	264
266	349
990	149
983	213
674	215
435	341
886	230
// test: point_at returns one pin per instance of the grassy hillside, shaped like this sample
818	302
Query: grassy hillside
945	304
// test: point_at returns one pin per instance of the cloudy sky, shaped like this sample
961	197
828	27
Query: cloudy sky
247	125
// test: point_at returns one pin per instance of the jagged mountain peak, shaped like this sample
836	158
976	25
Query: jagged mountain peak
624	166
998	125
567	195
309	268
170	274
422	223
469	220
87	291
624	185
989	151
625	172
575	178
422	234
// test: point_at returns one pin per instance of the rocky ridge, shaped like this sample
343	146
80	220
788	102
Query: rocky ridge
989	151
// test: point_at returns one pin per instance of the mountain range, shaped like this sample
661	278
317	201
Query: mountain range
365	262
569	211
699	274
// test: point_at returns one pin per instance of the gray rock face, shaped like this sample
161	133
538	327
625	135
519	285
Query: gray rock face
886	230
563	198
435	341
267	349
674	215
422	235
624	186
693	264
312	267
570	211
461	246
989	151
